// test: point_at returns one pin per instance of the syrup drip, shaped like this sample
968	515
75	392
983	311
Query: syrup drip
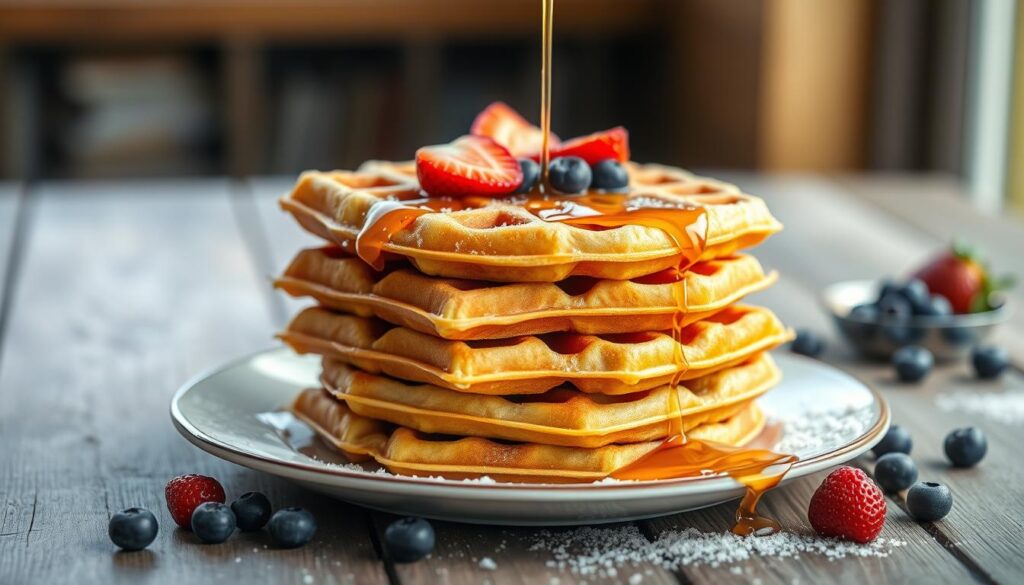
677	457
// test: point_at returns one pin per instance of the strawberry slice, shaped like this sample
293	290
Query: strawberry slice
471	165
509	129
596	147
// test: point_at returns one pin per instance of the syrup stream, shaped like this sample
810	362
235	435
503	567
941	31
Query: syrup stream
758	469
547	28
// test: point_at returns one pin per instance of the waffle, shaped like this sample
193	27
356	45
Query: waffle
465	309
505	243
408	452
607	364
561	416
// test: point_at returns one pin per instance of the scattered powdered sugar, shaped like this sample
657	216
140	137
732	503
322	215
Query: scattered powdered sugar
816	431
1006	407
594	551
488	564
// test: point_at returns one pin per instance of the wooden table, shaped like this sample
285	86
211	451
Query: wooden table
113	294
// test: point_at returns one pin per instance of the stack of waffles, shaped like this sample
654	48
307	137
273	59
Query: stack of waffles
492	341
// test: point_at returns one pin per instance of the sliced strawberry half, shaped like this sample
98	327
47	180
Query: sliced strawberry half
509	129
471	165
596	147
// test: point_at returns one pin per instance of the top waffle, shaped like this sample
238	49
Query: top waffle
504	242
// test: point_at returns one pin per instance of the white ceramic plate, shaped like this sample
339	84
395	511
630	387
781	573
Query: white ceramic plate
234	413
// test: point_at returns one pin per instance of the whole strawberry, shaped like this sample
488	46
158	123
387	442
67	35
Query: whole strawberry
185	492
847	505
961	276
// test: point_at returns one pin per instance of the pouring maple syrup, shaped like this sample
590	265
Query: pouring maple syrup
677	457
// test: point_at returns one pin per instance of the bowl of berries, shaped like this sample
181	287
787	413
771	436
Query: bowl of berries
948	306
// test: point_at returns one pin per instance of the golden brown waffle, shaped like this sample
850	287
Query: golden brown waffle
506	243
474	309
607	364
561	416
405	451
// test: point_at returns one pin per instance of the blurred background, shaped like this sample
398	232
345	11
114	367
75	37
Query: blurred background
119	88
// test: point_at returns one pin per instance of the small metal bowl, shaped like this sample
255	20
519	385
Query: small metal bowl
948	338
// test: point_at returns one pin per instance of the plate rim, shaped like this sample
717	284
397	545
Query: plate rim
220	449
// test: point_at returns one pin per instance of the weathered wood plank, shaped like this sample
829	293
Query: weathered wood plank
831	235
284	238
126	290
10	201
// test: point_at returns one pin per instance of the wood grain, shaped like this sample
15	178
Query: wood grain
126	291
831	235
10	204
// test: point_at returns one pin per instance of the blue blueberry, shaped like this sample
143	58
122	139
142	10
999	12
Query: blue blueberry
609	175
291	527
902	334
959	336
888	286
409	539
965	447
133	529
929	501
807	343
213	522
912	363
894	307
569	174
252	511
916	293
895	472
990	361
896	440
938	306
531	173
867	312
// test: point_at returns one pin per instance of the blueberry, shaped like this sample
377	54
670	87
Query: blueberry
213	522
807	343
867	312
965	447
569	174
609	175
133	529
916	293
292	527
896	440
938	306
912	362
894	307
902	334
887	286
252	510
929	501
531	172
895	472
409	539
990	361
959	336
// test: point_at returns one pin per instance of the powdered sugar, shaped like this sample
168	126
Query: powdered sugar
816	431
1006	407
591	551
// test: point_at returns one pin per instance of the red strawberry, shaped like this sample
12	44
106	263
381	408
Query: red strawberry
472	165
185	492
847	505
959	275
596	147
509	129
